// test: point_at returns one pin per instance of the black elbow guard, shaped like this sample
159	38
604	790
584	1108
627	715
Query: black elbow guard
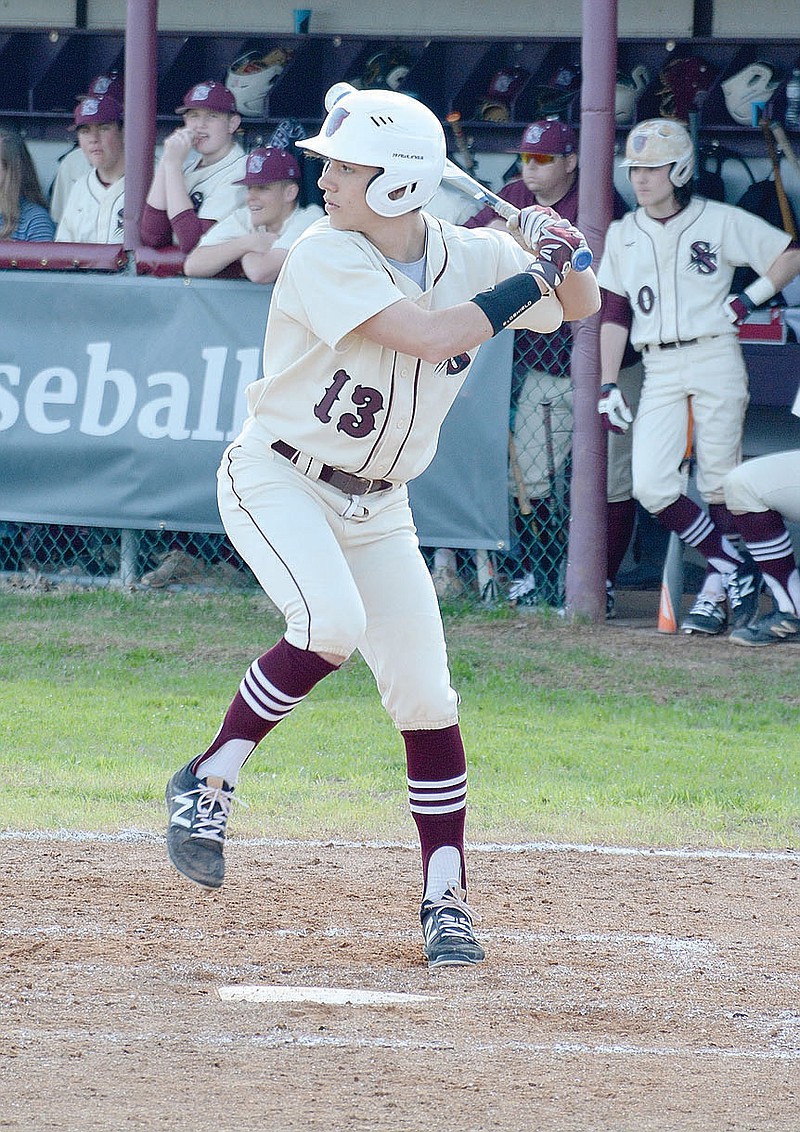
508	300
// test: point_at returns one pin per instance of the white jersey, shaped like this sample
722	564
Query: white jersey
367	409
706	241
240	223
93	213
71	167
211	189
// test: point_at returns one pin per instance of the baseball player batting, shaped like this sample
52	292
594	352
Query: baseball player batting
375	320
666	273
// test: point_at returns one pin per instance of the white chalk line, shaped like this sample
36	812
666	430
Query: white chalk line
285	1040
135	836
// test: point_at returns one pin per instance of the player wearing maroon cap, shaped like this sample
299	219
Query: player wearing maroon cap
93	213
195	180
253	240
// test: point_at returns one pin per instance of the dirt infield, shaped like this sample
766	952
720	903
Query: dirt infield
622	991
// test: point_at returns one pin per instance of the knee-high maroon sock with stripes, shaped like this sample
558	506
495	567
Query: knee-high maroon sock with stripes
620	523
768	540
437	793
695	528
273	686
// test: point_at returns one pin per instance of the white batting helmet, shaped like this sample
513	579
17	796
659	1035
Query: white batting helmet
390	130
660	141
754	83
252	76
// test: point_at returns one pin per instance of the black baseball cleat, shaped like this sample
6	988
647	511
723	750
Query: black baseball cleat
743	588
198	814
449	940
771	629
706	616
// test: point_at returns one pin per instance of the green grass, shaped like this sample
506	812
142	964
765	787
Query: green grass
573	732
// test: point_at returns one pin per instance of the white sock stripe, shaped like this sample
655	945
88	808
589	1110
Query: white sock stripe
436	784
438	795
262	710
438	809
701	528
780	547
268	688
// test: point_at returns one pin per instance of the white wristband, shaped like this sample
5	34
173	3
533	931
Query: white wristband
761	290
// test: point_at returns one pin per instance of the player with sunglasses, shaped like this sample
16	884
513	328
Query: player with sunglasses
548	151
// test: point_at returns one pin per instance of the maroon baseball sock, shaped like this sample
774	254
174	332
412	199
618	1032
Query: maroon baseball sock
695	528
621	519
768	540
273	686
437	792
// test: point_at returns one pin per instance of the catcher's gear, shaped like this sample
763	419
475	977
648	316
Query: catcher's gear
629	88
614	410
503	88
392	131
252	76
684	83
754	83
659	141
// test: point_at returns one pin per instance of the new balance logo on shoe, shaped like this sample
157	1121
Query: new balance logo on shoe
198	812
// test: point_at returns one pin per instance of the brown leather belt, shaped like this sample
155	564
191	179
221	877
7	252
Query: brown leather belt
342	481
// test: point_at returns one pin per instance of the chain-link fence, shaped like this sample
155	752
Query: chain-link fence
529	572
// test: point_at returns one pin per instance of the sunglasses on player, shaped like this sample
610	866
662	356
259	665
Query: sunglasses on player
539	158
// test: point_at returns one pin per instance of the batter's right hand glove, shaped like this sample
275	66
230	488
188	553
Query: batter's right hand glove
614	410
550	236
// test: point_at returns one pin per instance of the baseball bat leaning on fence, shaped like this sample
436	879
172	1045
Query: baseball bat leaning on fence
779	134
519	482
672	575
558	511
783	201
459	179
454	122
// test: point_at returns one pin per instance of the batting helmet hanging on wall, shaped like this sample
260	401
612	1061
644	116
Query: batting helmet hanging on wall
555	98
684	82
503	88
661	141
629	88
390	130
252	76
754	83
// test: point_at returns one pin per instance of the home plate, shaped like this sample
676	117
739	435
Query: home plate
337	996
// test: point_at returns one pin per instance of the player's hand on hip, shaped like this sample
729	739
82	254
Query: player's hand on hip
614	410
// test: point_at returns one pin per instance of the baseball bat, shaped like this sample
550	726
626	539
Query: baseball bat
519	483
783	201
454	121
779	134
461	180
672	575
547	425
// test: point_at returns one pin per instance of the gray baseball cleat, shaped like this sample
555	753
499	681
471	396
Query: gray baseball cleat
743	588
449	940
706	616
771	629
198	814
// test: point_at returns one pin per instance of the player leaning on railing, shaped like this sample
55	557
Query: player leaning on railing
374	323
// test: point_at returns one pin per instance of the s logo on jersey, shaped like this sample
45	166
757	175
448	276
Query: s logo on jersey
703	259
455	365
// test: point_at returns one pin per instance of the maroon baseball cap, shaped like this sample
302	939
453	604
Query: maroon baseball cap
93	111
112	84
268	164
208	96
548	136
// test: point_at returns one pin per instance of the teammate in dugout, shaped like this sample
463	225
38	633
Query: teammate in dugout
374	323
666	274
93	213
198	179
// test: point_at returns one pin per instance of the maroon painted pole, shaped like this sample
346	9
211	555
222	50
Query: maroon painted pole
141	71
586	562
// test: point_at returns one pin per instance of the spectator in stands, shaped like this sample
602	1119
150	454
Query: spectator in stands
93	212
548	152
253	241
23	209
198	179
73	165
